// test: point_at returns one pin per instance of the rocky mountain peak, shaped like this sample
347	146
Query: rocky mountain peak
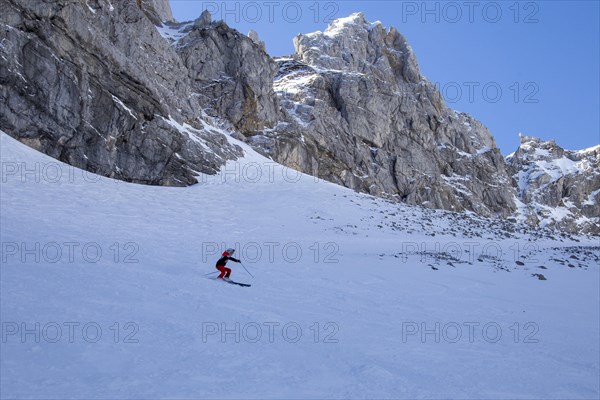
204	20
532	148
356	45
557	187
348	25
358	113
158	11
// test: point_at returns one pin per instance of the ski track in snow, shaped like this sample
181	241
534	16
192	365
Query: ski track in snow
370	295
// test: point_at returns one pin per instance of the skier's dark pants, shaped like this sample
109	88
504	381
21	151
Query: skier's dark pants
225	272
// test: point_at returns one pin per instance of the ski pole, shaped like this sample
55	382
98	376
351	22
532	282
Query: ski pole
247	270
210	273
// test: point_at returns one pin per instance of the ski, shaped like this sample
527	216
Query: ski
232	282
239	283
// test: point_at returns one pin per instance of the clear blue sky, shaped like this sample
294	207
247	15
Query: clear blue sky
531	67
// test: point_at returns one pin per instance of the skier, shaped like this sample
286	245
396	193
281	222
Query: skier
225	272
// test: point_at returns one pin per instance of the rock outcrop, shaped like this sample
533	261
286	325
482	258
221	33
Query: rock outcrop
231	74
159	11
359	113
93	84
557	187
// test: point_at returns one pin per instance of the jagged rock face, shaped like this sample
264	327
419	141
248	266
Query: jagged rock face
93	84
360	114
557	187
231	74
158	11
353	44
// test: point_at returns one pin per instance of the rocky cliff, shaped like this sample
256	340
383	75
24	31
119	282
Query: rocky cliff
359	113
159	11
124	90
93	83
231	74
557	187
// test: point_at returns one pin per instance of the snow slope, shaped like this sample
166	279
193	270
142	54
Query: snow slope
381	274
174	32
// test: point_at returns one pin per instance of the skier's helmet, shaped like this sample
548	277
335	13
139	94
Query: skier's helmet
230	251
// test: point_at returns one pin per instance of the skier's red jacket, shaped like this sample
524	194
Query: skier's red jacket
223	260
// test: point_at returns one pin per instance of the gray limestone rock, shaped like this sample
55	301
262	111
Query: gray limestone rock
94	84
358	113
557	187
231	75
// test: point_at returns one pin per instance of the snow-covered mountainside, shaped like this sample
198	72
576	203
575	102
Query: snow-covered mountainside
123	90
104	294
557	187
